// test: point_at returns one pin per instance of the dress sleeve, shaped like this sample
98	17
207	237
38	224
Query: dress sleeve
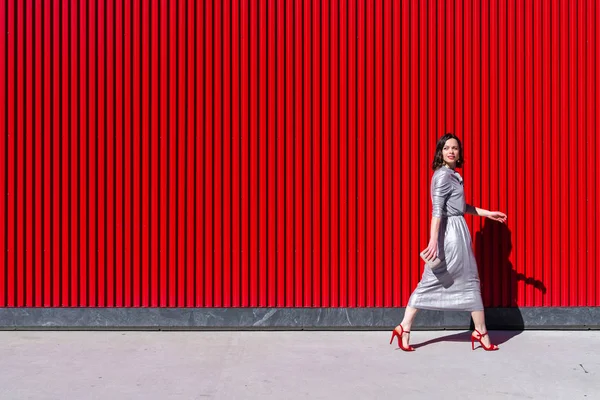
440	191
469	209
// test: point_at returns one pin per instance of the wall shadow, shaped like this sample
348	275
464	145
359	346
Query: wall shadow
499	278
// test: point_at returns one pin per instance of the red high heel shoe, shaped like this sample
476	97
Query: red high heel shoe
492	347
395	333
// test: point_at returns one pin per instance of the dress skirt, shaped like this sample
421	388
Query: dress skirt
455	285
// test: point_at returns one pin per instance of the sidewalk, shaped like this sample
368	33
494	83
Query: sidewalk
297	365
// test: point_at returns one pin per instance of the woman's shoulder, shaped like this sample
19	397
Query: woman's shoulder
441	173
442	177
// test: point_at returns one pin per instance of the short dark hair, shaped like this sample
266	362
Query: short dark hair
438	159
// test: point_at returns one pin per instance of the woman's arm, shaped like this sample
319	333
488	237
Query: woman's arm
440	191
495	215
431	251
434	230
476	211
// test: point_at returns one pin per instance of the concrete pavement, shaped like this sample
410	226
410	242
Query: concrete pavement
297	365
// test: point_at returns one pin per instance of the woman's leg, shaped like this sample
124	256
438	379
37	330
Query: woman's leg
409	317
479	322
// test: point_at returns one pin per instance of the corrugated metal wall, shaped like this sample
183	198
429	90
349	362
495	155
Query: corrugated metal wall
276	153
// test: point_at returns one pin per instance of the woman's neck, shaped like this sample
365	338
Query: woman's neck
449	166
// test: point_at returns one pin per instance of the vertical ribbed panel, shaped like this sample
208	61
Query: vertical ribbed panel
277	153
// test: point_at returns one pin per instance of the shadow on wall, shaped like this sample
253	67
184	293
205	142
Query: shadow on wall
493	245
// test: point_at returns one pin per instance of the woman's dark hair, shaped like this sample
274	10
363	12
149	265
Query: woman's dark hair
438	159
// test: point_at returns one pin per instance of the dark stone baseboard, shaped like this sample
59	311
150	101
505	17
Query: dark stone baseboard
288	318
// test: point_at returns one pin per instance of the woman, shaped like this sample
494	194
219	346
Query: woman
451	242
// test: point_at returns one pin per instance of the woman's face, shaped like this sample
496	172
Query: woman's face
450	152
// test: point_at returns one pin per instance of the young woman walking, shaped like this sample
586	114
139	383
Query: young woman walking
450	241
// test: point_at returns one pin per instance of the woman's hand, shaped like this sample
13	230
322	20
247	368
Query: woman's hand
431	251
497	216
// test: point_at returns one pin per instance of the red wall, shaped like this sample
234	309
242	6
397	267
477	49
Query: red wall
277	153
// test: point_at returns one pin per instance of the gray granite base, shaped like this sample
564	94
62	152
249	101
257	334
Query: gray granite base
288	318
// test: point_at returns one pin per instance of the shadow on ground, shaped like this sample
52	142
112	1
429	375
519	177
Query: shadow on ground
497	337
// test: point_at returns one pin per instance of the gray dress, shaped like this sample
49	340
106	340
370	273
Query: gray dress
455	284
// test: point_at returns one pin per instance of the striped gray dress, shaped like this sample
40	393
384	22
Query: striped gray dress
455	285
